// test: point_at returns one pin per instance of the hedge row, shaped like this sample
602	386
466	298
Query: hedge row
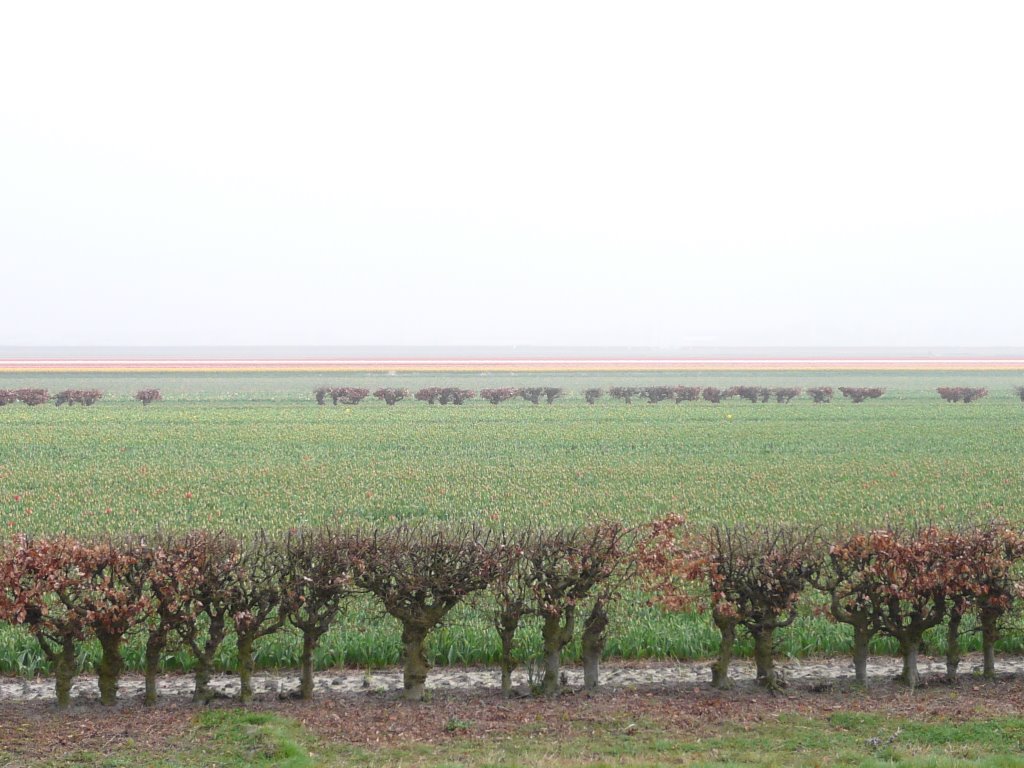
458	396
192	589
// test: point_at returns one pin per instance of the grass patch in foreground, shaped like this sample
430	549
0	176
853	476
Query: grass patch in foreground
237	738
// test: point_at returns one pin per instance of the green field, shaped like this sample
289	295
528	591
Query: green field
248	450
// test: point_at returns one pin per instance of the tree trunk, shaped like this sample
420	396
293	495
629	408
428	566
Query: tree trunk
110	667
989	635
64	668
310	640
556	637
415	675
953	644
908	650
507	635
861	640
245	667
204	660
155	644
720	669
764	649
593	643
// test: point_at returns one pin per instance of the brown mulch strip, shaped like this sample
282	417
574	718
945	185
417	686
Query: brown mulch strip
39	730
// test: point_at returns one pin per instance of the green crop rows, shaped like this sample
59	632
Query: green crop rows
254	450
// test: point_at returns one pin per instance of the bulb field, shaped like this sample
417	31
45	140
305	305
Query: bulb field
255	451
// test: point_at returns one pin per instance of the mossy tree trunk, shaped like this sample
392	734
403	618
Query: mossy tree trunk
953	644
204	656
110	667
764	658
61	654
245	644
155	644
557	633
507	626
414	641
593	641
861	647
989	635
720	669
310	642
909	647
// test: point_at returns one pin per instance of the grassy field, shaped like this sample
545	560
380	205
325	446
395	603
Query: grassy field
255	450
939	728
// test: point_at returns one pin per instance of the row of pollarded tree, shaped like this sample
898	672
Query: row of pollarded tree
68	396
197	589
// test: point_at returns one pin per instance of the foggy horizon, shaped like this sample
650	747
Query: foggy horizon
673	176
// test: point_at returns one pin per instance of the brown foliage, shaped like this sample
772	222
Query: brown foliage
147	396
624	393
391	395
820	394
686	394
961	394
500	395
319	568
594	394
749	576
72	396
860	394
348	395
419	573
32	396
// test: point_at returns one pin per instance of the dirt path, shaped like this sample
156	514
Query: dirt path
613	675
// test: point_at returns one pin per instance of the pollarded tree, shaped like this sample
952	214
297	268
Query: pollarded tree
500	395
820	394
552	393
320	393
594	394
860	394
176	568
318	578
32	396
905	576
532	394
849	598
218	557
753	394
565	567
428	395
626	394
391	395
147	396
114	599
349	395
749	576
455	396
40	582
685	394
420	573
961	394
785	394
657	394
7	397
512	595
714	394
981	580
72	396
255	601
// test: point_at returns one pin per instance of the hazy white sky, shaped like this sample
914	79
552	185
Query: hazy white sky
719	173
